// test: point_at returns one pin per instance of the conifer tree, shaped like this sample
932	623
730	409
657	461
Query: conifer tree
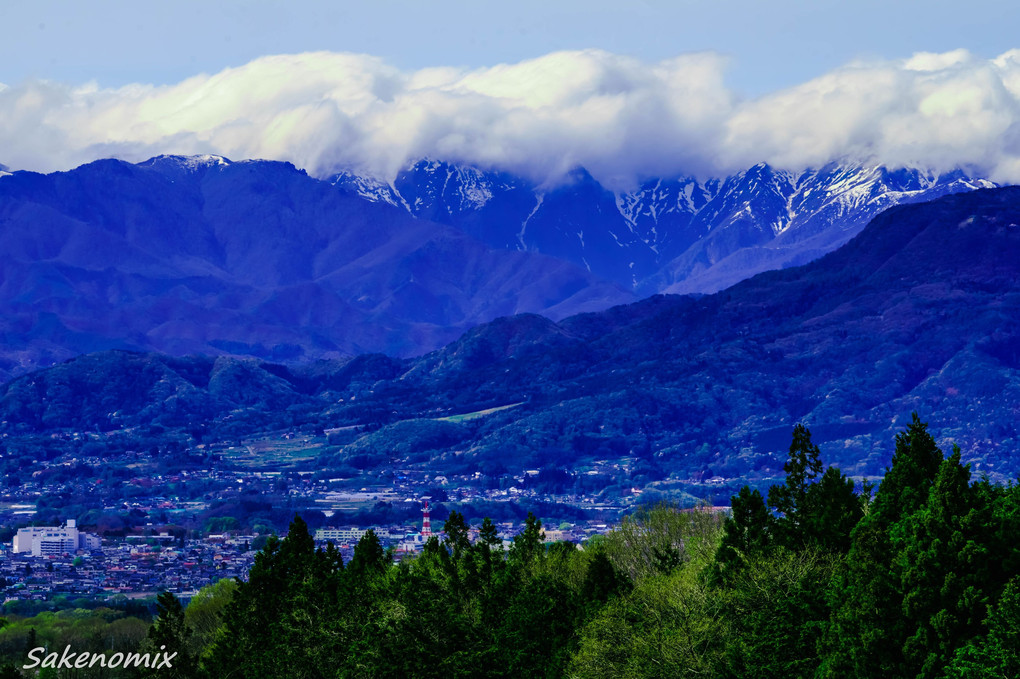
273	614
488	536
456	534
369	558
170	634
803	465
749	530
942	569
831	510
867	631
527	545
996	654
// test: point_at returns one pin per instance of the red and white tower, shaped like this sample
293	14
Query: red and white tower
426	523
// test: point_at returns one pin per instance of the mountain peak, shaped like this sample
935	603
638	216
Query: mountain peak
175	164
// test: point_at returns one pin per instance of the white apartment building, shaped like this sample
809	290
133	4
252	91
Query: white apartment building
339	535
54	541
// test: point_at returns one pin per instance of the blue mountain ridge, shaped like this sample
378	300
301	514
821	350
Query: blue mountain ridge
255	258
203	255
678	234
919	312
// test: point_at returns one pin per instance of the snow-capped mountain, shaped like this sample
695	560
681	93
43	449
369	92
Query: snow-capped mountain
676	234
766	219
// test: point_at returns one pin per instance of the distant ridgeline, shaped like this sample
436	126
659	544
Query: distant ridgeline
816	578
669	234
202	255
921	311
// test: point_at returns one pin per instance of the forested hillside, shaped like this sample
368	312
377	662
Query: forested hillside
816	578
919	312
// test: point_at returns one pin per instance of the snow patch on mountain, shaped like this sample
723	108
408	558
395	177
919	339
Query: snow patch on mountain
190	163
369	188
669	228
524	225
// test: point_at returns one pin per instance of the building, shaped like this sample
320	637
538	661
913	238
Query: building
340	536
53	541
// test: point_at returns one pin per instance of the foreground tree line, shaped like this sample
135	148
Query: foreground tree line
816	578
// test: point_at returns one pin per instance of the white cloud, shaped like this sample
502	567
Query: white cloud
618	116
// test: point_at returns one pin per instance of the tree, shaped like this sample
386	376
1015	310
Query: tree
488	536
867	631
775	610
943	572
369	557
204	614
527	545
749	530
831	510
170	635
790	499
456	534
907	482
601	581
996	654
668	626
31	640
271	617
657	539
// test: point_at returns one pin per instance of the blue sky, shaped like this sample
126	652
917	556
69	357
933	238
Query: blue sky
628	90
771	44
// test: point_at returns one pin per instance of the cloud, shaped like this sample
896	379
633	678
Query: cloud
621	118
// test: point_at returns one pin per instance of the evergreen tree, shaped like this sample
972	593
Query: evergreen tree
528	544
943	572
996	654
456	534
273	615
803	465
170	634
867	631
31	640
601	581
488	536
831	510
748	531
908	481
369	558
775	609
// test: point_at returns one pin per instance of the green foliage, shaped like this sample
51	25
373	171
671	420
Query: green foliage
222	524
670	625
99	630
170	634
920	585
775	611
996	654
924	565
456	534
658	539
831	510
204	615
803	465
749	529
527	544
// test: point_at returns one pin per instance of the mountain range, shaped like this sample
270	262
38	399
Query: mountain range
919	312
201	255
675	234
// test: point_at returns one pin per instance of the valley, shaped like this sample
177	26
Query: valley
673	397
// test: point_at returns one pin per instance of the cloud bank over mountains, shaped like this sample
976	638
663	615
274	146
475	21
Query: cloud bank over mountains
621	118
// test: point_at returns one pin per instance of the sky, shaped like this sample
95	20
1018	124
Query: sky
628	89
